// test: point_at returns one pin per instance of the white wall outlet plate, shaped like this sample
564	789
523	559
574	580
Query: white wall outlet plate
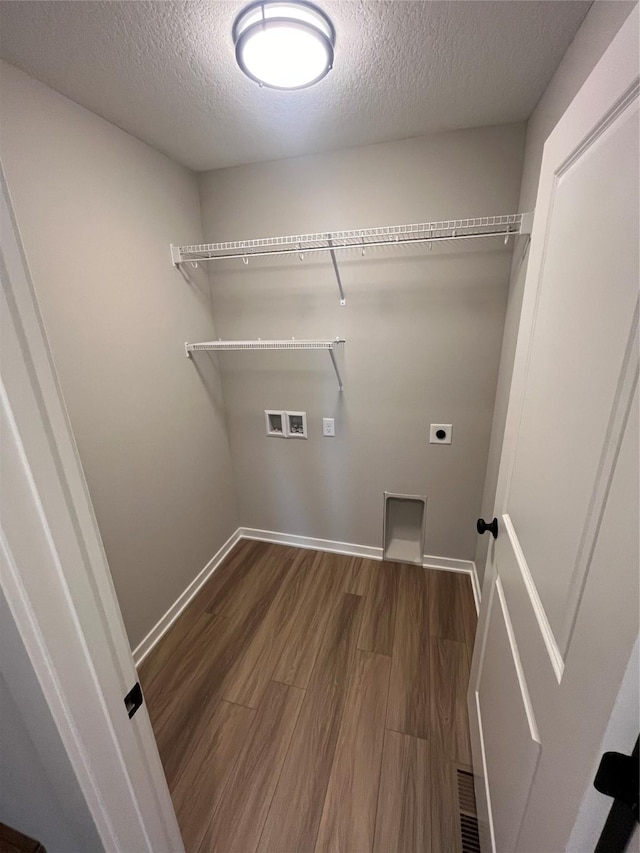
328	427
276	423
296	424
440	434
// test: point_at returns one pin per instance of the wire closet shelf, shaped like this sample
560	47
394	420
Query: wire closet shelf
291	344
260	344
329	241
504	226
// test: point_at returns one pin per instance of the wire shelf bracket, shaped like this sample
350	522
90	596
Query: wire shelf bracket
292	344
343	301
506	226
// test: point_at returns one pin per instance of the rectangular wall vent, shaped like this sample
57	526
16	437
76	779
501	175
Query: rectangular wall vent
403	528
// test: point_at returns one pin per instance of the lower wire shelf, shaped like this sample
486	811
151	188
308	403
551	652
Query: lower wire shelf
292	344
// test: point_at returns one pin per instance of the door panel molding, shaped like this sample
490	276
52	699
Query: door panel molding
546	631
511	737
625	100
578	347
517	662
618	418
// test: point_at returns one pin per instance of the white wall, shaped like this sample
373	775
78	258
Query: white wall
600	25
39	793
97	210
423	332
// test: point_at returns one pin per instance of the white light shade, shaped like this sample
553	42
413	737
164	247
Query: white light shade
284	45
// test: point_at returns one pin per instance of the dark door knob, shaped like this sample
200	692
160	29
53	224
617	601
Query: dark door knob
482	527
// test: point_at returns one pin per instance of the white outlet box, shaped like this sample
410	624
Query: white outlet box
276	423
436	436
328	427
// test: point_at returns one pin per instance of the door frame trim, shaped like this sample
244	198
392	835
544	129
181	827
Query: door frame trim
57	584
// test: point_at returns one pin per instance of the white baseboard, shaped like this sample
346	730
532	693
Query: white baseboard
162	626
446	564
467	567
370	552
329	545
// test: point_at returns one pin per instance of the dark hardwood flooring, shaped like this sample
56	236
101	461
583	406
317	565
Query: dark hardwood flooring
308	702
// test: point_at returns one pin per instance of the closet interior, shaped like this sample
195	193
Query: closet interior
301	613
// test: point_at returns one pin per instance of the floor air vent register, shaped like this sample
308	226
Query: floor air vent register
469	837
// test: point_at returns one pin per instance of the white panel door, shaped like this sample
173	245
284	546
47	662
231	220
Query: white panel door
559	612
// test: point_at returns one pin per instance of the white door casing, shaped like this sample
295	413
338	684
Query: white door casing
559	612
57	583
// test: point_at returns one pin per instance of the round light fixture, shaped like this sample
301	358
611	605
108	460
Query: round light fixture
284	45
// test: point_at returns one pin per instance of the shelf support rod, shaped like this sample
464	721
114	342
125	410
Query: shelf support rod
343	301
335	365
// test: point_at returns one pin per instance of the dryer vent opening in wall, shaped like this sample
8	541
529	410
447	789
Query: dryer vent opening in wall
404	517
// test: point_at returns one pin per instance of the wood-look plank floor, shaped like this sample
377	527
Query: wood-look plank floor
313	703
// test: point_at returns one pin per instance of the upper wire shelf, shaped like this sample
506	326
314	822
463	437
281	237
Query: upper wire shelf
328	241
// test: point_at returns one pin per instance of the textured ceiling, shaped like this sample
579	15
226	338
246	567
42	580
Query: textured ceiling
166	72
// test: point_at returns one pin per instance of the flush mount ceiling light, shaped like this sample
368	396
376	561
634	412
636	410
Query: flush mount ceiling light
284	45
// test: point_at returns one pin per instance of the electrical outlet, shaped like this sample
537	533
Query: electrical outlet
328	427
440	434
